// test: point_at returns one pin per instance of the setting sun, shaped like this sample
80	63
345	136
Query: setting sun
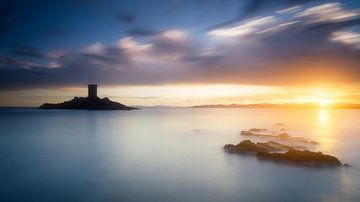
324	102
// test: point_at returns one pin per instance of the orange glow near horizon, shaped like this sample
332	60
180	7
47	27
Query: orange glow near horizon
190	95
324	102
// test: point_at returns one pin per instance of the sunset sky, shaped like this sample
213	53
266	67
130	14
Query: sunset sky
180	52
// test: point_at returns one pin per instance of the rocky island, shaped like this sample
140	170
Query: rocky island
279	153
92	102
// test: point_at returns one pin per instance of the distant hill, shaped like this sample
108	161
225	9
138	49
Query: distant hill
284	105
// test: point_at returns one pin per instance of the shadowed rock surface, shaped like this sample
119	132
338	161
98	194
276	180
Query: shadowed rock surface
271	151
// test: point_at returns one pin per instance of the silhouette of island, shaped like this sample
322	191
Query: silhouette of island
92	102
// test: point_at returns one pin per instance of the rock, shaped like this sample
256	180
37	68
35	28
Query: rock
258	130
272	151
247	146
283	135
275	135
303	158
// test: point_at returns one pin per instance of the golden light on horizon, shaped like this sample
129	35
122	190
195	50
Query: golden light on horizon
190	95
323	102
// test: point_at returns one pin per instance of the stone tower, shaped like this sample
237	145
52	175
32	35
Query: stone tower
92	91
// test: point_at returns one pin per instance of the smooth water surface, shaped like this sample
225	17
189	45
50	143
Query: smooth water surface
169	155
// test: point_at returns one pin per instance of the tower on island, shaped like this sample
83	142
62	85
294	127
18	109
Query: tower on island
91	102
92	91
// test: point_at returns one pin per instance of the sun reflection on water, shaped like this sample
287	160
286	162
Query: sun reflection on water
324	129
323	117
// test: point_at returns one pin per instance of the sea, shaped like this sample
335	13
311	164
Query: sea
170	155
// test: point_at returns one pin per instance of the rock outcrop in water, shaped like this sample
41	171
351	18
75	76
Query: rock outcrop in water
280	135
273	151
92	102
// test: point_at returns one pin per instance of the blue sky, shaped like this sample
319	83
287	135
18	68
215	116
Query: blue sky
74	24
285	43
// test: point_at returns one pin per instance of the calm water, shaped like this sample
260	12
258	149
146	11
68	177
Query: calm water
169	155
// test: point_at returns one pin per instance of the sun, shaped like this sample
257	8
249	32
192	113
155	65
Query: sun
324	102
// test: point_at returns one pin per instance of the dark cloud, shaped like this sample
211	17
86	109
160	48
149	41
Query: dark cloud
299	54
28	53
253	8
173	44
293	55
328	27
13	63
141	31
81	59
126	17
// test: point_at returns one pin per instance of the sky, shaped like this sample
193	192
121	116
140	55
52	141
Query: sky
180	52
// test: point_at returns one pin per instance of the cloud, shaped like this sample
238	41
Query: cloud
172	45
11	63
346	37
292	9
97	48
55	54
141	31
27	53
98	53
126	17
243	29
291	47
328	12
253	6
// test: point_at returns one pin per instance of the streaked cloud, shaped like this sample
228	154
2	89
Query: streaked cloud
248	27
328	12
292	9
304	44
346	37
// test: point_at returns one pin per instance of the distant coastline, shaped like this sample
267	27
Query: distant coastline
246	106
284	105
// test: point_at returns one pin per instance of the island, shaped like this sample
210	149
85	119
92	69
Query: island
92	102
279	153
